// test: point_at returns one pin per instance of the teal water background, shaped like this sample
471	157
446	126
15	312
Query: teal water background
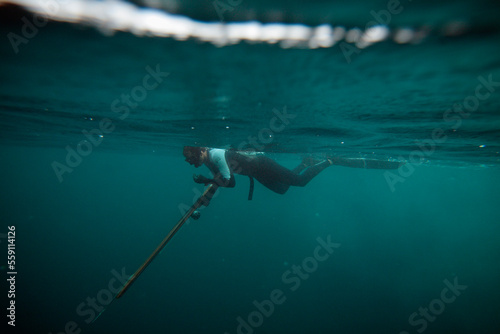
402	236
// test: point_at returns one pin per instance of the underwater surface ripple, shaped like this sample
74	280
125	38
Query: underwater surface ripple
386	100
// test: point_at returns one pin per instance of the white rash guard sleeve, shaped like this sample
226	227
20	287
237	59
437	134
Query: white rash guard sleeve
217	157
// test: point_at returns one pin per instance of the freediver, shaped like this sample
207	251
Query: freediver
225	163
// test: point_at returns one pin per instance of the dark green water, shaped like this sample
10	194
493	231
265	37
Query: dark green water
415	251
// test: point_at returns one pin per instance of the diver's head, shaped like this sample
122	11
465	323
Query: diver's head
195	155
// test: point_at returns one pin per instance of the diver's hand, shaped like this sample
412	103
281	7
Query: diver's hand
201	179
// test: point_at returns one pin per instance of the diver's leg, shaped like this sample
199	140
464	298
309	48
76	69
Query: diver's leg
277	187
311	172
306	162
299	168
279	179
272	175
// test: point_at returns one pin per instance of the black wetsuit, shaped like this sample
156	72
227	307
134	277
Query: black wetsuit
265	170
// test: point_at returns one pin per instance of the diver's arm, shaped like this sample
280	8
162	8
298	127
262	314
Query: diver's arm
218	180
223	182
223	177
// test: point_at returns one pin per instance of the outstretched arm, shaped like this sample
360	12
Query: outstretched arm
218	180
